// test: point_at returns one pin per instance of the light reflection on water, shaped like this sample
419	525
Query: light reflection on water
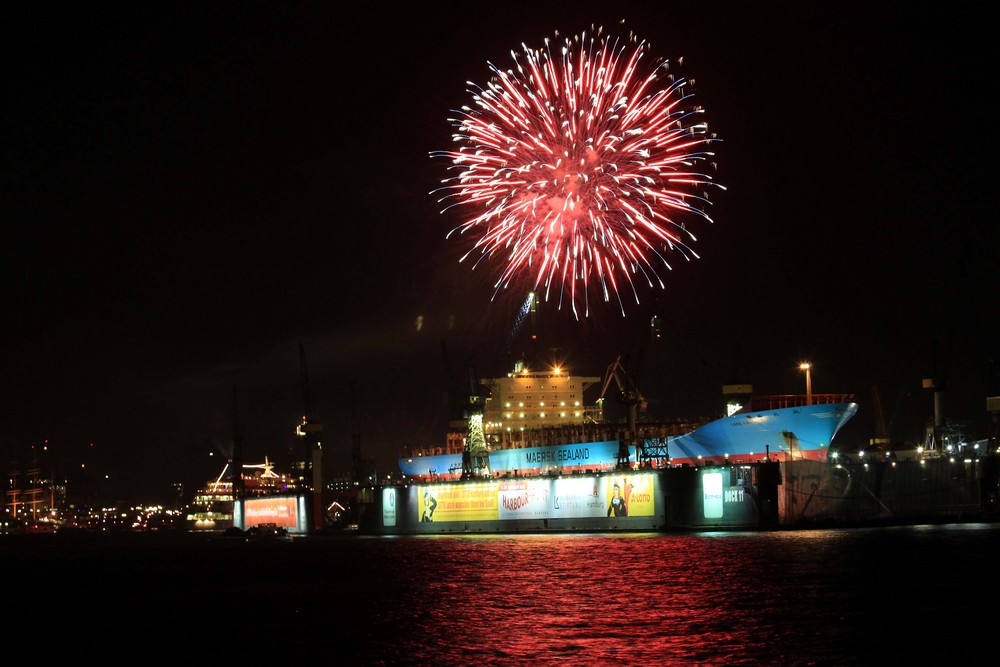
638	599
818	597
826	597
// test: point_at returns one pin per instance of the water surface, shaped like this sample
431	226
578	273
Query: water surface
810	597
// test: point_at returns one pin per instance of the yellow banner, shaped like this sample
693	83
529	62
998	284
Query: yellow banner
630	495
459	502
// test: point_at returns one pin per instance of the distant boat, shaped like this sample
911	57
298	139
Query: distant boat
267	531
212	507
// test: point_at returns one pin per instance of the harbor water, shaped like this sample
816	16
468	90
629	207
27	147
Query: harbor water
853	596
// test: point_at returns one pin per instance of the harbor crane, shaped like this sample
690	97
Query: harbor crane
475	455
629	396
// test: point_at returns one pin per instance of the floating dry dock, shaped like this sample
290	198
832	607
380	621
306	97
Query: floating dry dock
712	497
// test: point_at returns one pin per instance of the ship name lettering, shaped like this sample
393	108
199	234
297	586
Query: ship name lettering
573	454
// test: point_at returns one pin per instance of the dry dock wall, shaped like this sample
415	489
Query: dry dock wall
940	489
685	498
727	497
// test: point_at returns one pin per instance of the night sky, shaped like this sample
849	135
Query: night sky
192	192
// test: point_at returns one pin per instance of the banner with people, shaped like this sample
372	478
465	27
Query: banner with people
613	496
457	502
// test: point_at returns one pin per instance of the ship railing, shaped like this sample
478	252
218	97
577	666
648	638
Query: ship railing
777	401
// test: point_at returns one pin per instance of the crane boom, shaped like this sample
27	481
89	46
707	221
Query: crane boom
630	396
628	393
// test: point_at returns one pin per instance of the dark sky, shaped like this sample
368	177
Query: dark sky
192	191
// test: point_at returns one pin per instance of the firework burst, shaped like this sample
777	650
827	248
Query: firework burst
576	169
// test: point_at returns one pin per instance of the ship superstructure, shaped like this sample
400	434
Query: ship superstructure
527	400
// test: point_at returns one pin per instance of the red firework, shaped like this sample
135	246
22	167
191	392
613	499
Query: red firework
576	169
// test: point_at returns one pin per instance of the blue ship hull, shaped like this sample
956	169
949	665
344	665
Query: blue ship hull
798	432
794	433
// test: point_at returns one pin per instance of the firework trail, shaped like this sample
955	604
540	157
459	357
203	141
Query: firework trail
576	169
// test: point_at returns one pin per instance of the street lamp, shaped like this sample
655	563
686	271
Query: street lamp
806	366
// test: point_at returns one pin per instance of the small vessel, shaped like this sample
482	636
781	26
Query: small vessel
266	531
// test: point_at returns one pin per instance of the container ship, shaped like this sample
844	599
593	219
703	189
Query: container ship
779	428
570	437
534	457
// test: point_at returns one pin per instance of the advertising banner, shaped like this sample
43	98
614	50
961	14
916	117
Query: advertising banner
577	497
525	499
712	494
280	511
628	495
389	507
574	497
457	502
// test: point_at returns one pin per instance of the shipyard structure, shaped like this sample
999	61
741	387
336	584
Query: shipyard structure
536	457
534	454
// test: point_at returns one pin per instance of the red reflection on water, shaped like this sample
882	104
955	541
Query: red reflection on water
632	599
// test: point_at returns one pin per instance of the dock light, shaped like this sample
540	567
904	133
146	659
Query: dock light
807	367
